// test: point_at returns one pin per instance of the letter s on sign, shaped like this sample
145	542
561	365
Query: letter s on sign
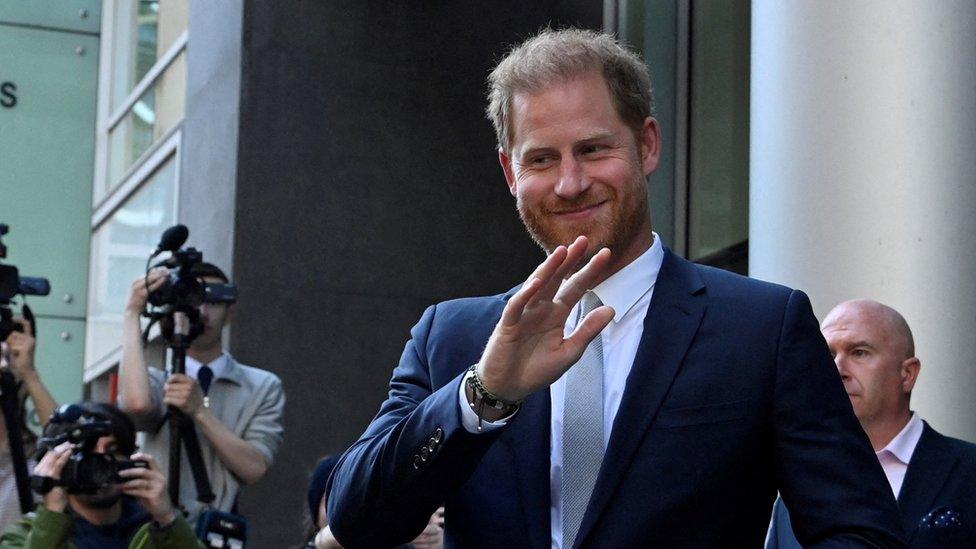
7	95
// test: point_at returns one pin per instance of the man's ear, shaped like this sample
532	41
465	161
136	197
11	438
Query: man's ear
909	373
506	162
649	140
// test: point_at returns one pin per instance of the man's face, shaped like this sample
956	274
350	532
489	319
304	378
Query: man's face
575	168
108	495
871	360
214	316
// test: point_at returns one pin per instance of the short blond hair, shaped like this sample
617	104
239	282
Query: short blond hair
556	56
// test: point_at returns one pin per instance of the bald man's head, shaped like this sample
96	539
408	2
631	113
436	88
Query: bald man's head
874	351
890	321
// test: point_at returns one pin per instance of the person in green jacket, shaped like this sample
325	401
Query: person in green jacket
136	513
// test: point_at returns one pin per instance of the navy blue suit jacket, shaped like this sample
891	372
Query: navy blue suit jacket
937	499
732	396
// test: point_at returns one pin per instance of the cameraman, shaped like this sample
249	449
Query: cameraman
134	513
240	418
17	357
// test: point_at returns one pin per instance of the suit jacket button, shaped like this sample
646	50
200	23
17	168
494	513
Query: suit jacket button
416	462
438	434
432	443
424	453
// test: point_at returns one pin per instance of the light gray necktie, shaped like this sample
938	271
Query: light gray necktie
582	429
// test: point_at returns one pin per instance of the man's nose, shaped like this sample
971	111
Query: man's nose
841	366
572	182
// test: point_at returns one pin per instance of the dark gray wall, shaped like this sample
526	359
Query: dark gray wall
367	188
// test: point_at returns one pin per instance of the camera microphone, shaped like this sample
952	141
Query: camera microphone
172	239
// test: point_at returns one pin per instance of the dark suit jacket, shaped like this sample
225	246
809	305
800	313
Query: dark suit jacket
732	396
937	499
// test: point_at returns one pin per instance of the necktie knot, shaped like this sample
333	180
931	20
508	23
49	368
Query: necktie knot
205	376
589	302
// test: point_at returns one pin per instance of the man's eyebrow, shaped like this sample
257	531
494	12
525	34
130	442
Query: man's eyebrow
862	343
598	136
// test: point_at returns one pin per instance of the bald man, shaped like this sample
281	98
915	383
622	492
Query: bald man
932	476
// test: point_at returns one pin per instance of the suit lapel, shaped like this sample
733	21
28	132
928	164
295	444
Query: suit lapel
672	321
928	470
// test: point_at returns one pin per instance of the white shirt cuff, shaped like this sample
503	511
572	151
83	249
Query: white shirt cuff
469	419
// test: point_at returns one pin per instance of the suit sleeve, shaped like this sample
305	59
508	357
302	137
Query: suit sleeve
413	456
827	472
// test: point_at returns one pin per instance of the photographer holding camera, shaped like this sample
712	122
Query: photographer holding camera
17	357
237	409
93	497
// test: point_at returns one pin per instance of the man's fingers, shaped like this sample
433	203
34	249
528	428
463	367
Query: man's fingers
26	326
548	267
176	379
588	329
54	461
574	254
517	303
153	464
587	278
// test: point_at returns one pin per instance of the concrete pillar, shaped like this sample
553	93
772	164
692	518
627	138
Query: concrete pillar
863	180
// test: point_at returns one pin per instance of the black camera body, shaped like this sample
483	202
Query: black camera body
86	471
183	290
12	284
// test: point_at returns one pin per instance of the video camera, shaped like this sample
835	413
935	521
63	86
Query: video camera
184	291
86	471
12	284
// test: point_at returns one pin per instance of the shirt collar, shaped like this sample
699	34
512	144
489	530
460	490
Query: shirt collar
625	288
218	366
903	445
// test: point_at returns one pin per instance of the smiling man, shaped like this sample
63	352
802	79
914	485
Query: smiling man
620	396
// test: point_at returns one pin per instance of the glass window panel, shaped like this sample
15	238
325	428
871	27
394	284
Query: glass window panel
154	114
718	194
119	250
144	30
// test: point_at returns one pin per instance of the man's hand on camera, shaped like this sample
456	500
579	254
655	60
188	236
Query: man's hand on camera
142	287
183	392
149	487
51	466
20	350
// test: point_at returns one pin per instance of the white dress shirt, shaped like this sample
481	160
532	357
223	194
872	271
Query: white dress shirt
897	454
218	366
628	292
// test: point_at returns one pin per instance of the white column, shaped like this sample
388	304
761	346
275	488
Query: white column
863	172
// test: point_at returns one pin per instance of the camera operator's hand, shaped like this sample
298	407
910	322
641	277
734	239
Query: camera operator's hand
140	293
183	392
51	466
149	487
20	348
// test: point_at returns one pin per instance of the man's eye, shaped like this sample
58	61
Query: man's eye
590	149
859	352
